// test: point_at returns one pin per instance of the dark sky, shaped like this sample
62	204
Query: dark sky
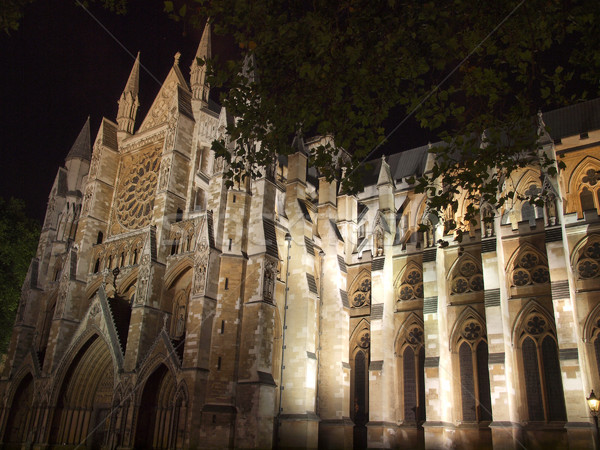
62	65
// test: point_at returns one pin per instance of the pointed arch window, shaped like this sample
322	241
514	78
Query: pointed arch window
588	263
541	369
466	276
474	373
412	373
591	336
361	290
410	285
530	268
588	189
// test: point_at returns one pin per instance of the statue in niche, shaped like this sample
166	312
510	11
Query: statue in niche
551	209
378	242
488	221
219	164
269	280
200	268
164	173
143	280
171	125
429	235
95	162
180	323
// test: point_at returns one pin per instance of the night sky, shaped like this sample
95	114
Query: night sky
61	66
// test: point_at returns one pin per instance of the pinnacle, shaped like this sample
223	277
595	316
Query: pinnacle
204	47
133	83
81	147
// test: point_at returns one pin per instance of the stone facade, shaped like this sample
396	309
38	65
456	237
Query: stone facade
285	313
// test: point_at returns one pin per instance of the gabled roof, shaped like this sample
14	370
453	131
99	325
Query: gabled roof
159	111
573	120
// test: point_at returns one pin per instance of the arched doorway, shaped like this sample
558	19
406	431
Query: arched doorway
85	396
156	411
21	414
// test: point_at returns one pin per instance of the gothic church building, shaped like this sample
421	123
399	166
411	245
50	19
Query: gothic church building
165	310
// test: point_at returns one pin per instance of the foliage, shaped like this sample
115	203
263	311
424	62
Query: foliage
475	72
18	241
11	13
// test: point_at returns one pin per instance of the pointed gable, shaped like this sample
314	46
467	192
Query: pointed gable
385	174
81	147
159	110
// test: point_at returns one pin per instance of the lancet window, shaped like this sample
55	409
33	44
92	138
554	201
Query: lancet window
412	373
541	370
472	349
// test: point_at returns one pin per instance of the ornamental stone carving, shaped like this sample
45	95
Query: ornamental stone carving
364	340
362	294
411	286
165	169
269	280
588	265
136	189
63	293
415	336
472	330
159	111
530	269
144	276
95	162
467	277
201	268
87	199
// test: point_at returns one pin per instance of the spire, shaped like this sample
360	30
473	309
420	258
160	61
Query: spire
81	147
200	89
128	103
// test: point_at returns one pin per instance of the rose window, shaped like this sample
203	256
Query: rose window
419	290
476	283
540	275
521	277
530	269
406	293
359	299
469	278
135	195
415	336
591	177
588	265
365	285
460	285
468	269
362	294
593	251
364	340
411	287
472	331
536	325
528	261
413	277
